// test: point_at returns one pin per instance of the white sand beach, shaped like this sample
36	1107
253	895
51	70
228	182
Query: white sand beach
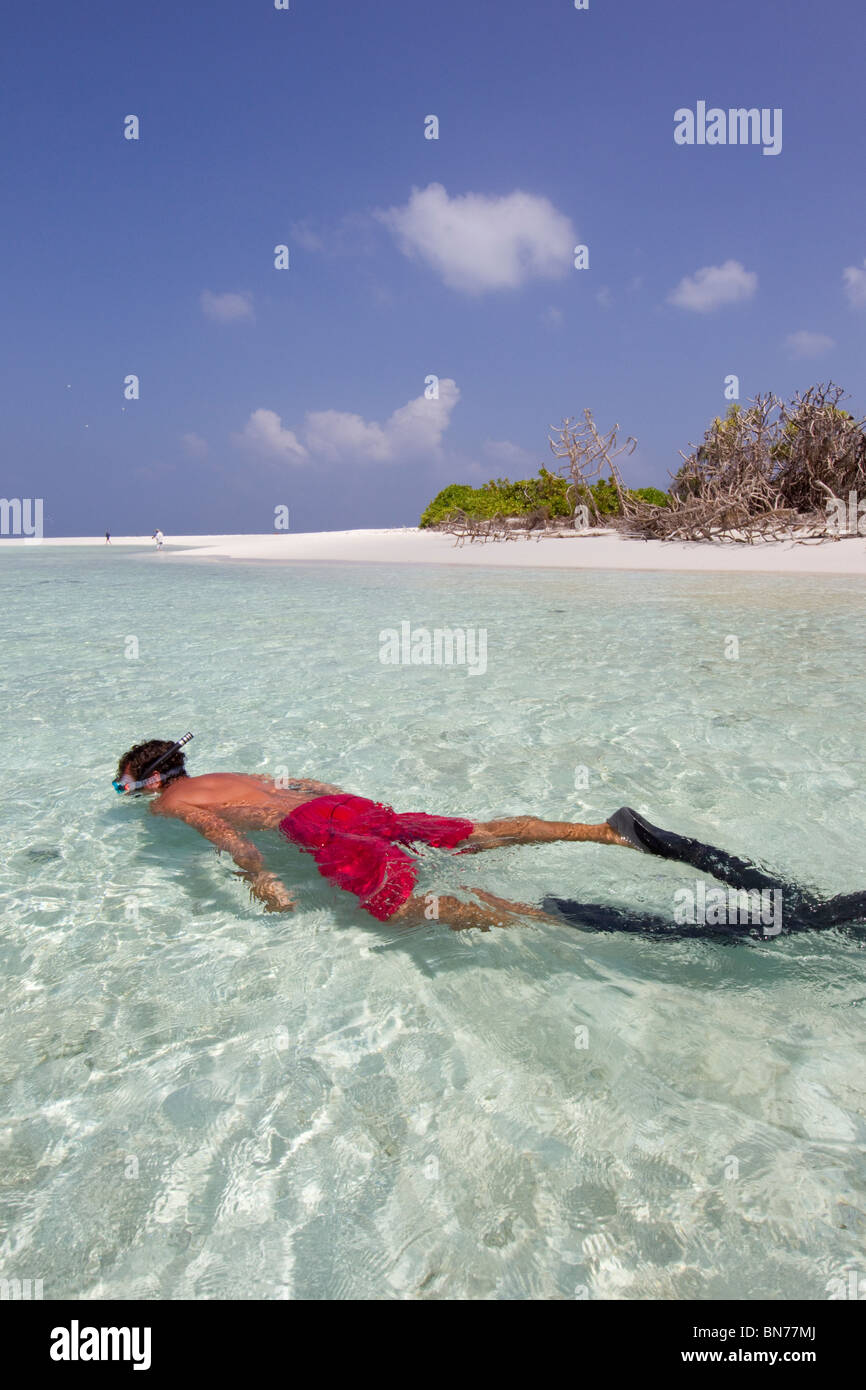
601	550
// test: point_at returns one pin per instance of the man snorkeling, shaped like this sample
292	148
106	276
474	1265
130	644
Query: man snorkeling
360	846
356	843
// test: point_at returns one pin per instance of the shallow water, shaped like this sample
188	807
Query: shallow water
198	1100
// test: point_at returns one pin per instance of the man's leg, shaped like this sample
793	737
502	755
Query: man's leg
461	916
529	830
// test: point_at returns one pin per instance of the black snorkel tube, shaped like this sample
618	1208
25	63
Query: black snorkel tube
126	786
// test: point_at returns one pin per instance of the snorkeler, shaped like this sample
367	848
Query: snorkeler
359	845
355	843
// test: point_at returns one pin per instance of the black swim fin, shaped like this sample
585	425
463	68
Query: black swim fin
802	910
846	909
601	917
643	836
739	873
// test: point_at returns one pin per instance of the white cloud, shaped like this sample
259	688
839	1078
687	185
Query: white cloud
478	243
806	344
227	308
504	454
713	286
855	285
305	235
195	446
338	436
419	425
264	434
353	234
471	469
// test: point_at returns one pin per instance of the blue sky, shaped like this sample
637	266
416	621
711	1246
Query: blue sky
409	257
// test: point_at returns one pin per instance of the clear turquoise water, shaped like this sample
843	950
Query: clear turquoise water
202	1101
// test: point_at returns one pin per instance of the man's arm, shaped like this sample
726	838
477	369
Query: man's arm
263	885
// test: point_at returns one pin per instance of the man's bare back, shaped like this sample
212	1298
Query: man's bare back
221	804
243	799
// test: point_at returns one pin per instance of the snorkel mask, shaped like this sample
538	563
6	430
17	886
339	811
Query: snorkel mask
127	785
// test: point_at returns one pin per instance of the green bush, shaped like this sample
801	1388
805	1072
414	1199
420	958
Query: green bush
501	497
603	493
653	495
606	496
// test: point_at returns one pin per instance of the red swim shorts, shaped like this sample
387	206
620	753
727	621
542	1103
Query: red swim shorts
353	842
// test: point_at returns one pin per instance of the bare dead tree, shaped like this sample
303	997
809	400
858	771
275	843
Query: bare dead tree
765	473
472	529
822	448
770	471
588	455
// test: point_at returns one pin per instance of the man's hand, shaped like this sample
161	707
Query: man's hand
269	890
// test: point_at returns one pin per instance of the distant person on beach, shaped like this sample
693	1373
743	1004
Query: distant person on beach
159	538
108	538
360	846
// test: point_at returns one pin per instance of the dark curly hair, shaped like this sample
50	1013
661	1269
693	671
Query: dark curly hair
142	755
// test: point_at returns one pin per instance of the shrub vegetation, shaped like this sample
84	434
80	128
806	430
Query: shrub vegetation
503	498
